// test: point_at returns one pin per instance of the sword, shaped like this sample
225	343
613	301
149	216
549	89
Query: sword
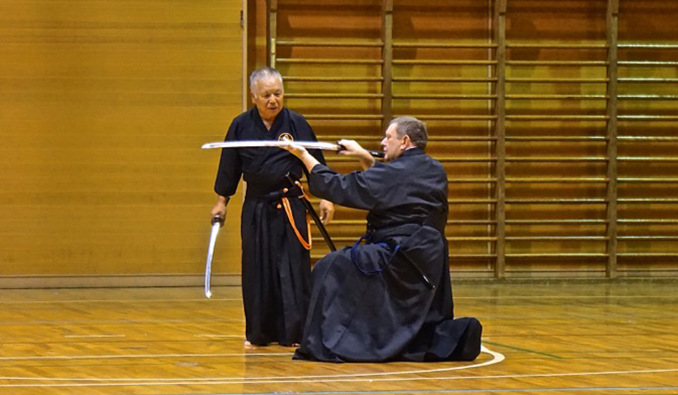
277	143
217	222
421	273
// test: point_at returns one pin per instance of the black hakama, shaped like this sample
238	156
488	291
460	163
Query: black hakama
391	298
275	266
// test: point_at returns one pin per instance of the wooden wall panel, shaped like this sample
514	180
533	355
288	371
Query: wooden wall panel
330	58
556	205
104	106
648	89
579	186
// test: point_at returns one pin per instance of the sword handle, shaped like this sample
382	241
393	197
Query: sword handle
376	154
218	219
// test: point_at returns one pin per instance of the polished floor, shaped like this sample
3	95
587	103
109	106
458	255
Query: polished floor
563	338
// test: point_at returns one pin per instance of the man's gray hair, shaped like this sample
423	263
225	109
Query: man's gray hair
412	127
264	72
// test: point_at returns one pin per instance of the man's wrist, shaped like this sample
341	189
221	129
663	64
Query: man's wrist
308	160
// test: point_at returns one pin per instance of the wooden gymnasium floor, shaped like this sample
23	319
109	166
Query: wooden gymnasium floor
562	338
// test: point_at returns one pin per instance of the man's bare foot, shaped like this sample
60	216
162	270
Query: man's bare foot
249	345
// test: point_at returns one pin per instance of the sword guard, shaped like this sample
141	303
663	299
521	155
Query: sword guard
218	219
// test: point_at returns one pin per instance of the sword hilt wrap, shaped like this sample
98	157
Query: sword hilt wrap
376	154
218	219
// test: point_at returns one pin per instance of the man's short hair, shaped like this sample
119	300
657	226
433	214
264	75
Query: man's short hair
262	73
412	127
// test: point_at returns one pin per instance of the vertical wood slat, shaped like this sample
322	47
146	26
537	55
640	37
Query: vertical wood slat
271	31
500	134
604	263
245	28
612	174
387	58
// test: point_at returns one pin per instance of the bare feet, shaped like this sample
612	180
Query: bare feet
250	346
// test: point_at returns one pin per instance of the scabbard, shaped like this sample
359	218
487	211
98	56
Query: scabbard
316	219
416	267
318	223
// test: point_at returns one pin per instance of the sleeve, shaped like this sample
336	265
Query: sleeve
355	190
230	166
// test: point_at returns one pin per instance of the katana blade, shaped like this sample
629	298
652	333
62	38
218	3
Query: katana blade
217	222
272	143
323	145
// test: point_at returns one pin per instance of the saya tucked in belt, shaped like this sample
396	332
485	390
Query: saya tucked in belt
281	199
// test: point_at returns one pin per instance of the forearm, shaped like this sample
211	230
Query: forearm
350	190
308	160
223	200
353	149
367	161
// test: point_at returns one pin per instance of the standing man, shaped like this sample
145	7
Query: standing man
390	298
275	234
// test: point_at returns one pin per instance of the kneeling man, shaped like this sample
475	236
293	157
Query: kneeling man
389	297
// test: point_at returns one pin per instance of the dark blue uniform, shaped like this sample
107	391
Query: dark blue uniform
275	266
390	298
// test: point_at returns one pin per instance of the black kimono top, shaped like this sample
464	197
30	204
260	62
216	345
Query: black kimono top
409	189
263	169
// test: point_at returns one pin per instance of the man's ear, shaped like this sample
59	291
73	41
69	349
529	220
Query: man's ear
253	96
406	141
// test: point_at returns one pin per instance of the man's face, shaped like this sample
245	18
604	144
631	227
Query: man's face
268	97
392	145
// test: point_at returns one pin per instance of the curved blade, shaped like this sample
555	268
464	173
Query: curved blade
272	143
276	143
216	224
